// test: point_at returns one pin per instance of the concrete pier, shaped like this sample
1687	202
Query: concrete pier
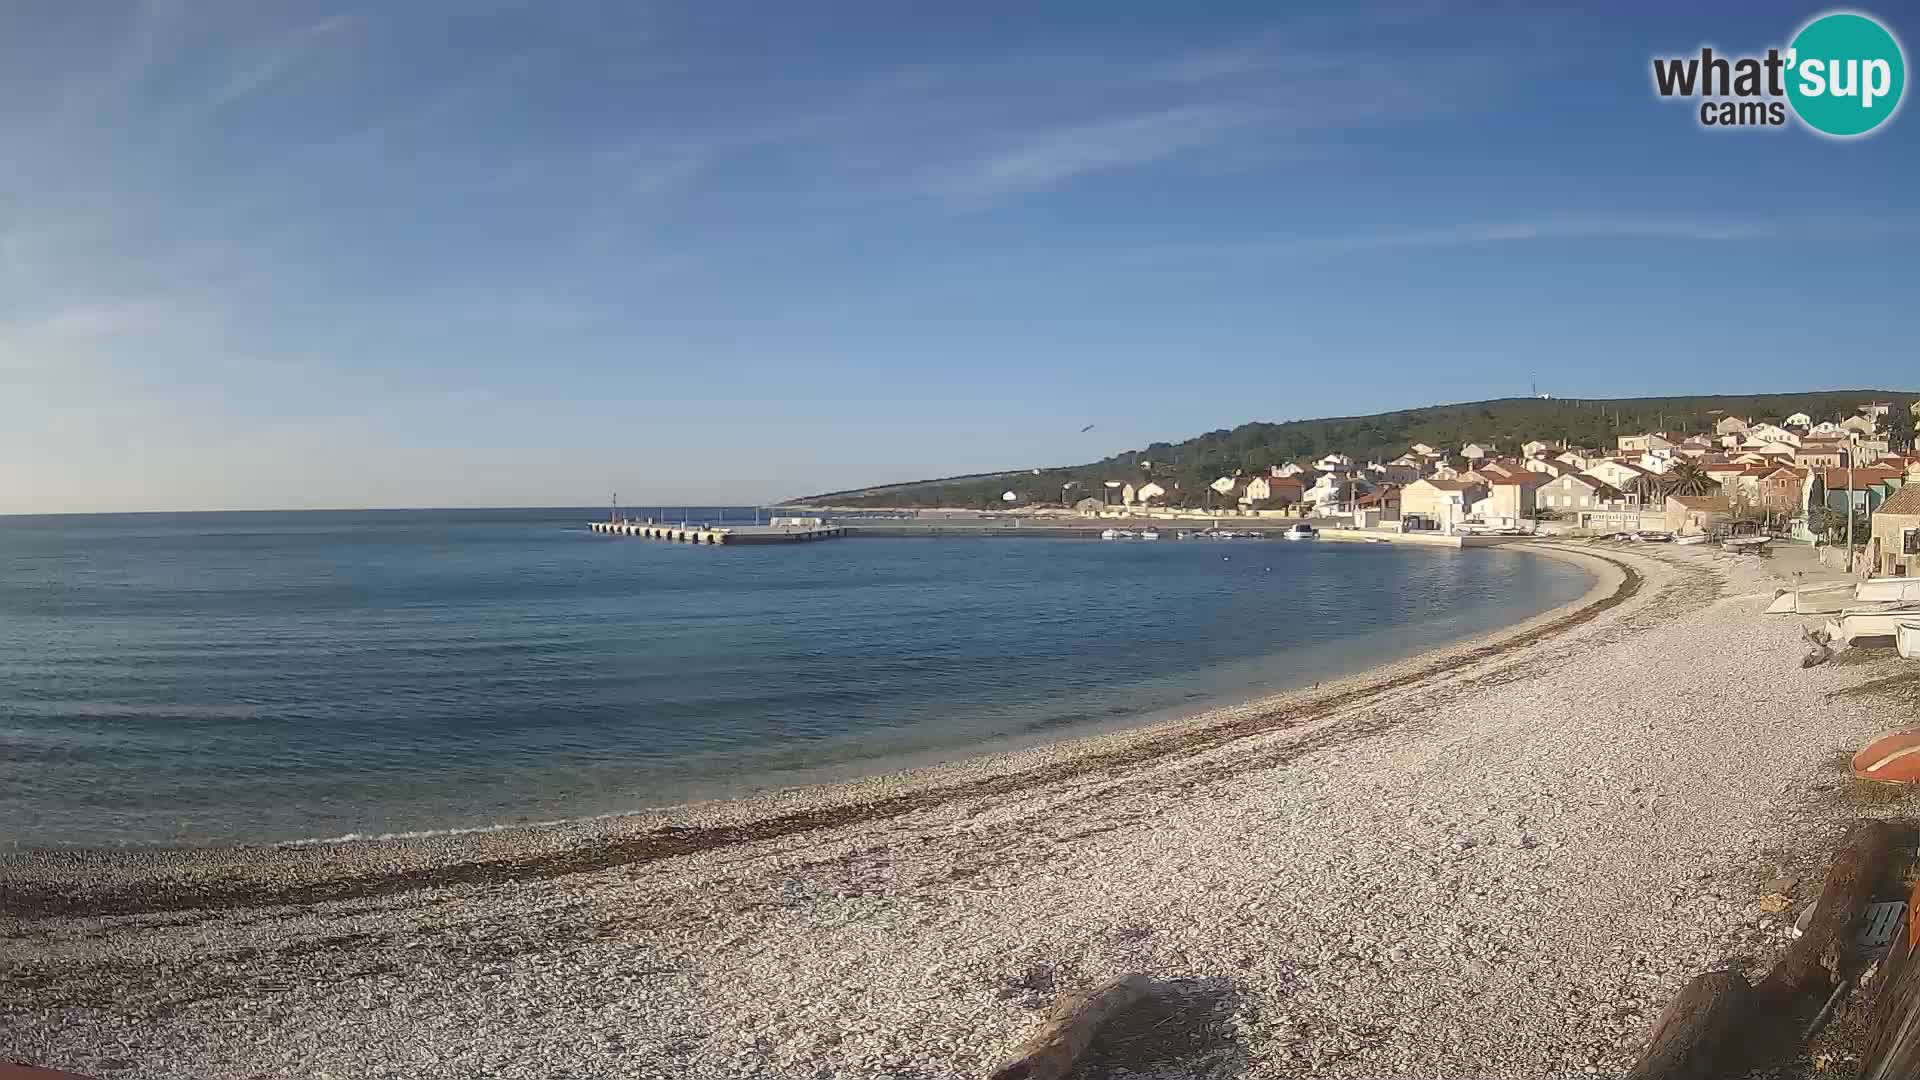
728	534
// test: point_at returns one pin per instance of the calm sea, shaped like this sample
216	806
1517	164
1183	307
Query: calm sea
246	677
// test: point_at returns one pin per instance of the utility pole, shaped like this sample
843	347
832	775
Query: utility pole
1853	452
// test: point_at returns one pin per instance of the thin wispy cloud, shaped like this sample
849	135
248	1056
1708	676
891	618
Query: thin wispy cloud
1116	143
1548	228
259	66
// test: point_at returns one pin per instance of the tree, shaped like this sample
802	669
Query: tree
1832	524
1687	477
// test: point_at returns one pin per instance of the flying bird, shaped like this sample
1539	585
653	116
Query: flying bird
1086	429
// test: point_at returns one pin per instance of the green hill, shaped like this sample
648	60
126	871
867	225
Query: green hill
1186	468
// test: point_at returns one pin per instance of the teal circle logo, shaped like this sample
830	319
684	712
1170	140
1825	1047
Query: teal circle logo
1845	74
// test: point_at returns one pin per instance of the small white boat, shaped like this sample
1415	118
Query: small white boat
1888	590
1746	543
1116	534
1697	538
1302	531
1906	638
1853	624
1822	598
1149	534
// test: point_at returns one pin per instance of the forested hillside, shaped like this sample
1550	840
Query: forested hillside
1186	468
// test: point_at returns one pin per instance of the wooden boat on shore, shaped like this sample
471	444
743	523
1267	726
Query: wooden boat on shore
1852	624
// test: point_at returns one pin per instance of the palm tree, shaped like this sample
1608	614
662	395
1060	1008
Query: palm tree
1688	478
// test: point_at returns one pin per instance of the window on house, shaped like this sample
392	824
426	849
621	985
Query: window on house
1910	542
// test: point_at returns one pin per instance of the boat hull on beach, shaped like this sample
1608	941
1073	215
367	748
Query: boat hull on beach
1906	639
1855	624
1888	591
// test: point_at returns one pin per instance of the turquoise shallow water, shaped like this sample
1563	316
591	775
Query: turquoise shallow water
217	678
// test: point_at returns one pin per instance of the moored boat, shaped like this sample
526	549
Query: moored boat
1149	534
1302	531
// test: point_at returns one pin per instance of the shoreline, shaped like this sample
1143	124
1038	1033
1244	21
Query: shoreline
1500	858
39	882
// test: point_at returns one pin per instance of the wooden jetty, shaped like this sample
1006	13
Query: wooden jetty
725	534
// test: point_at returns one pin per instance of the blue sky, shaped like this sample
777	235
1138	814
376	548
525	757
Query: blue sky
499	253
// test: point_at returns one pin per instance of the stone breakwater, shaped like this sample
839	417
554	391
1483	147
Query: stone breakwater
1501	858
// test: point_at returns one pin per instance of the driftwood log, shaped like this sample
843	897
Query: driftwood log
1069	1029
1721	1026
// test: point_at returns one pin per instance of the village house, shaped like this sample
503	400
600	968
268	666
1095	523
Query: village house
1654	440
1730	425
1827	429
1861	424
1870	487
1783	490
1336	490
1510	499
1896	534
1269	492
1697	445
1821	454
1624	475
1394	472
1334	463
1534	448
1377	506
1724	472
1800	420
1289	469
1578	456
1770	433
1574	492
1424	450
1550	466
1781	449
1656	462
1498	467
1438	504
1146	492
1475	452
1690	515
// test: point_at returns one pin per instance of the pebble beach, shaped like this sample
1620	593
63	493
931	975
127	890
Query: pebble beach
1500	858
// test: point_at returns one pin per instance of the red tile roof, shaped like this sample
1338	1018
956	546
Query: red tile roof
1864	476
